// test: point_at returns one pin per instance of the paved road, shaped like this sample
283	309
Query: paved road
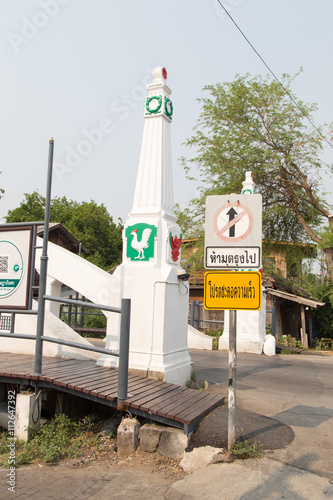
296	390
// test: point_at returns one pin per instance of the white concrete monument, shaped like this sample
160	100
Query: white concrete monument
250	325
150	273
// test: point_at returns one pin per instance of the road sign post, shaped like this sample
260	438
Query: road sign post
233	242
232	381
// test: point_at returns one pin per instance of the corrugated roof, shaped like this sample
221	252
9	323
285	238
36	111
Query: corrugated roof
296	298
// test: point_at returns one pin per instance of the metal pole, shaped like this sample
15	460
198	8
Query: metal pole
69	313
43	268
232	381
192	313
12	323
76	309
198	315
82	311
123	351
273	320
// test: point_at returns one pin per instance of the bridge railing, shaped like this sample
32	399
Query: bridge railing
122	354
124	310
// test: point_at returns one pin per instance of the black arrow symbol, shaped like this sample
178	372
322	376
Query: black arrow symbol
232	212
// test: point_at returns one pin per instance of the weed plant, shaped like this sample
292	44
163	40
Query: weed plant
216	334
60	438
244	449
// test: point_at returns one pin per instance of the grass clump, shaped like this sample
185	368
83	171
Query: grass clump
60	438
244	449
194	383
216	334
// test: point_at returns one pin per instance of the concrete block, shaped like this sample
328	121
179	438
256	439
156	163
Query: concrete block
269	345
199	458
198	340
27	414
4	415
128	436
172	443
150	437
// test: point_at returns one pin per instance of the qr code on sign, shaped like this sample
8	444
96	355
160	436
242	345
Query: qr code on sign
3	264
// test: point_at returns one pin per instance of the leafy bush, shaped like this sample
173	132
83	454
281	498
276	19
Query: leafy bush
214	333
287	340
323	317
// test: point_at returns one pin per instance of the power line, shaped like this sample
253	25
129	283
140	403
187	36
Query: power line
275	77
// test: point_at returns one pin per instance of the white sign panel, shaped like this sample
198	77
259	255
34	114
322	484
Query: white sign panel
233	231
15	258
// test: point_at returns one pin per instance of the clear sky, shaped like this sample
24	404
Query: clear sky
70	67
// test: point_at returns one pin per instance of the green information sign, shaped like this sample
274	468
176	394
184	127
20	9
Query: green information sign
15	263
11	268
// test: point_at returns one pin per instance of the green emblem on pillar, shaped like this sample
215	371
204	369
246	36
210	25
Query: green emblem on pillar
153	105
140	241
168	107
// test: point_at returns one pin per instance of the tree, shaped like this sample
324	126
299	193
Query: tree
253	124
90	223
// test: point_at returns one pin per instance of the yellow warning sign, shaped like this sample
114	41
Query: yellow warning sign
232	290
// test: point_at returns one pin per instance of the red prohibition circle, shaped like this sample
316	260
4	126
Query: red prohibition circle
245	211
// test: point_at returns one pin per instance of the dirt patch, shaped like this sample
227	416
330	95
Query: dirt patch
107	457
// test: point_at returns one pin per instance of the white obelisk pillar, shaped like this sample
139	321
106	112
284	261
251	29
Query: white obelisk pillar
150	273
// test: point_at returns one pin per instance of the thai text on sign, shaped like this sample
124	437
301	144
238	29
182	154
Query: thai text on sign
232	290
232	257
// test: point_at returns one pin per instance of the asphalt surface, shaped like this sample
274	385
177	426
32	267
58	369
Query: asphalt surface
294	390
269	433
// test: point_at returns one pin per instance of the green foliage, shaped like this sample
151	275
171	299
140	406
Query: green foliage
90	223
324	344
326	239
252	124
61	438
3	442
191	226
95	321
323	316
244	449
193	252
324	321
214	333
93	318
287	340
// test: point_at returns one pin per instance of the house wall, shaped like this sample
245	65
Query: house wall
276	259
58	239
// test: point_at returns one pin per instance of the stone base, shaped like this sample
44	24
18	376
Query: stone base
128	436
27	414
242	345
166	441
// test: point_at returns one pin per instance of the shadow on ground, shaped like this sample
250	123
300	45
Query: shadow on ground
305	416
213	430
